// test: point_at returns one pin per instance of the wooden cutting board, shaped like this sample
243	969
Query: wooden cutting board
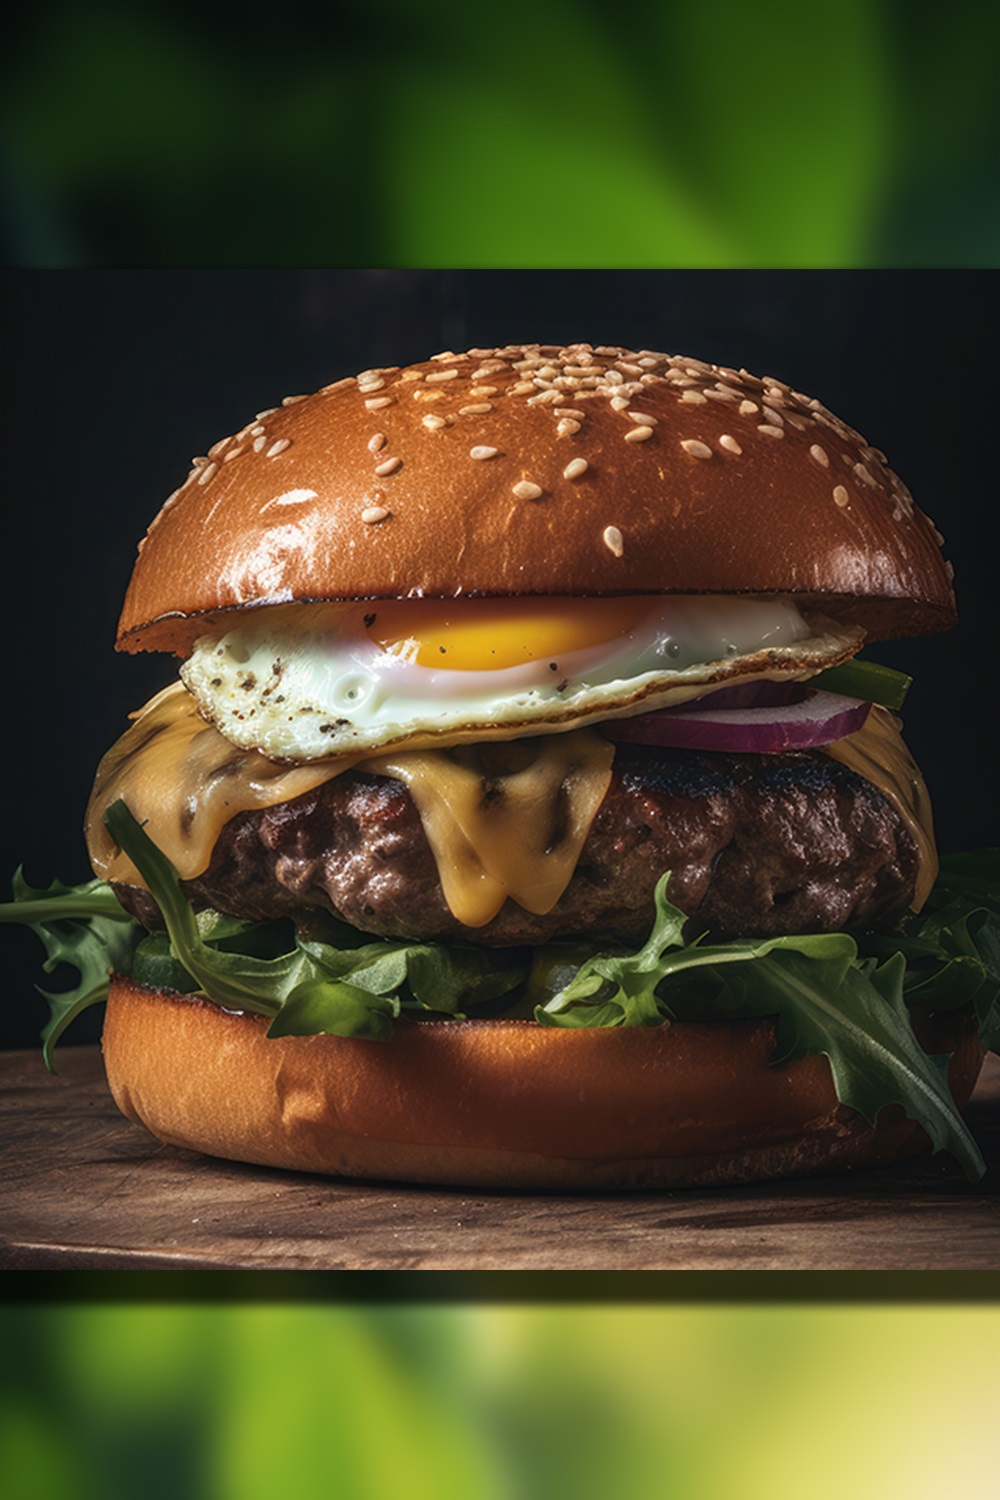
81	1187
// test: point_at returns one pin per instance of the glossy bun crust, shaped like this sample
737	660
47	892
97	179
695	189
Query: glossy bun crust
540	470
502	1104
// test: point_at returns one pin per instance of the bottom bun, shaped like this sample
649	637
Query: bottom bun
506	1104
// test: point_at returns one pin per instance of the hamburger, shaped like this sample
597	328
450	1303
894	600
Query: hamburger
523	814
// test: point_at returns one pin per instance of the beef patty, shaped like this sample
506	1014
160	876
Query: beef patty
756	846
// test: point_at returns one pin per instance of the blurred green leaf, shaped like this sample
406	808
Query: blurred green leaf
672	135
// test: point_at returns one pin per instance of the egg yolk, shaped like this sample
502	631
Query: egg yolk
475	635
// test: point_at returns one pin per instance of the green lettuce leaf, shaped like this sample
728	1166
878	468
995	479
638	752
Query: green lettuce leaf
823	998
82	926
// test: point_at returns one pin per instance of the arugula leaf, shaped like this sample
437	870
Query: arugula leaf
824	999
862	1025
953	947
624	988
83	926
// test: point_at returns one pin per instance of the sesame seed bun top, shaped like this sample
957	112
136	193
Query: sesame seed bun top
535	469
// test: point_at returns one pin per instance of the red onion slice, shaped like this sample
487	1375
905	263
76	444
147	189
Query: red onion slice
818	718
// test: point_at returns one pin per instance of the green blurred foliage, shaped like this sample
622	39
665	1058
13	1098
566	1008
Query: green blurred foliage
569	133
497	1403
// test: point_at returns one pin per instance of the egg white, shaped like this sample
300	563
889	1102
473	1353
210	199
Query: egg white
306	682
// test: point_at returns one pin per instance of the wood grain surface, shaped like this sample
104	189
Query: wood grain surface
81	1187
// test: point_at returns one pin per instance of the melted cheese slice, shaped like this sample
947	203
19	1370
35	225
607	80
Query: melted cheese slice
502	820
182	780
876	752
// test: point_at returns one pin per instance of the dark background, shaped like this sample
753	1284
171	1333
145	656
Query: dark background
114	380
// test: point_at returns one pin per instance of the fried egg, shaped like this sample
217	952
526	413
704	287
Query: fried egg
306	682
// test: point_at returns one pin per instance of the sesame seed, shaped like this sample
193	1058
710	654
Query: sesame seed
720	394
206	473
866	476
376	441
233	453
820	455
614	377
522	388
575	468
773	416
544	398
267	412
438	375
372	514
696	449
425	395
432	422
730	444
840	495
291	400
377	402
638	434
256	431
567	427
641	417
694	398
483	390
770	431
619	403
370	385
217	448
481	451
525	490
569	411
258	443
748	408
411	375
612	539
388	466
279	447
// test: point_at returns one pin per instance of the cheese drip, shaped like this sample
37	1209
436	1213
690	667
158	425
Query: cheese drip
505	819
876	752
501	820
